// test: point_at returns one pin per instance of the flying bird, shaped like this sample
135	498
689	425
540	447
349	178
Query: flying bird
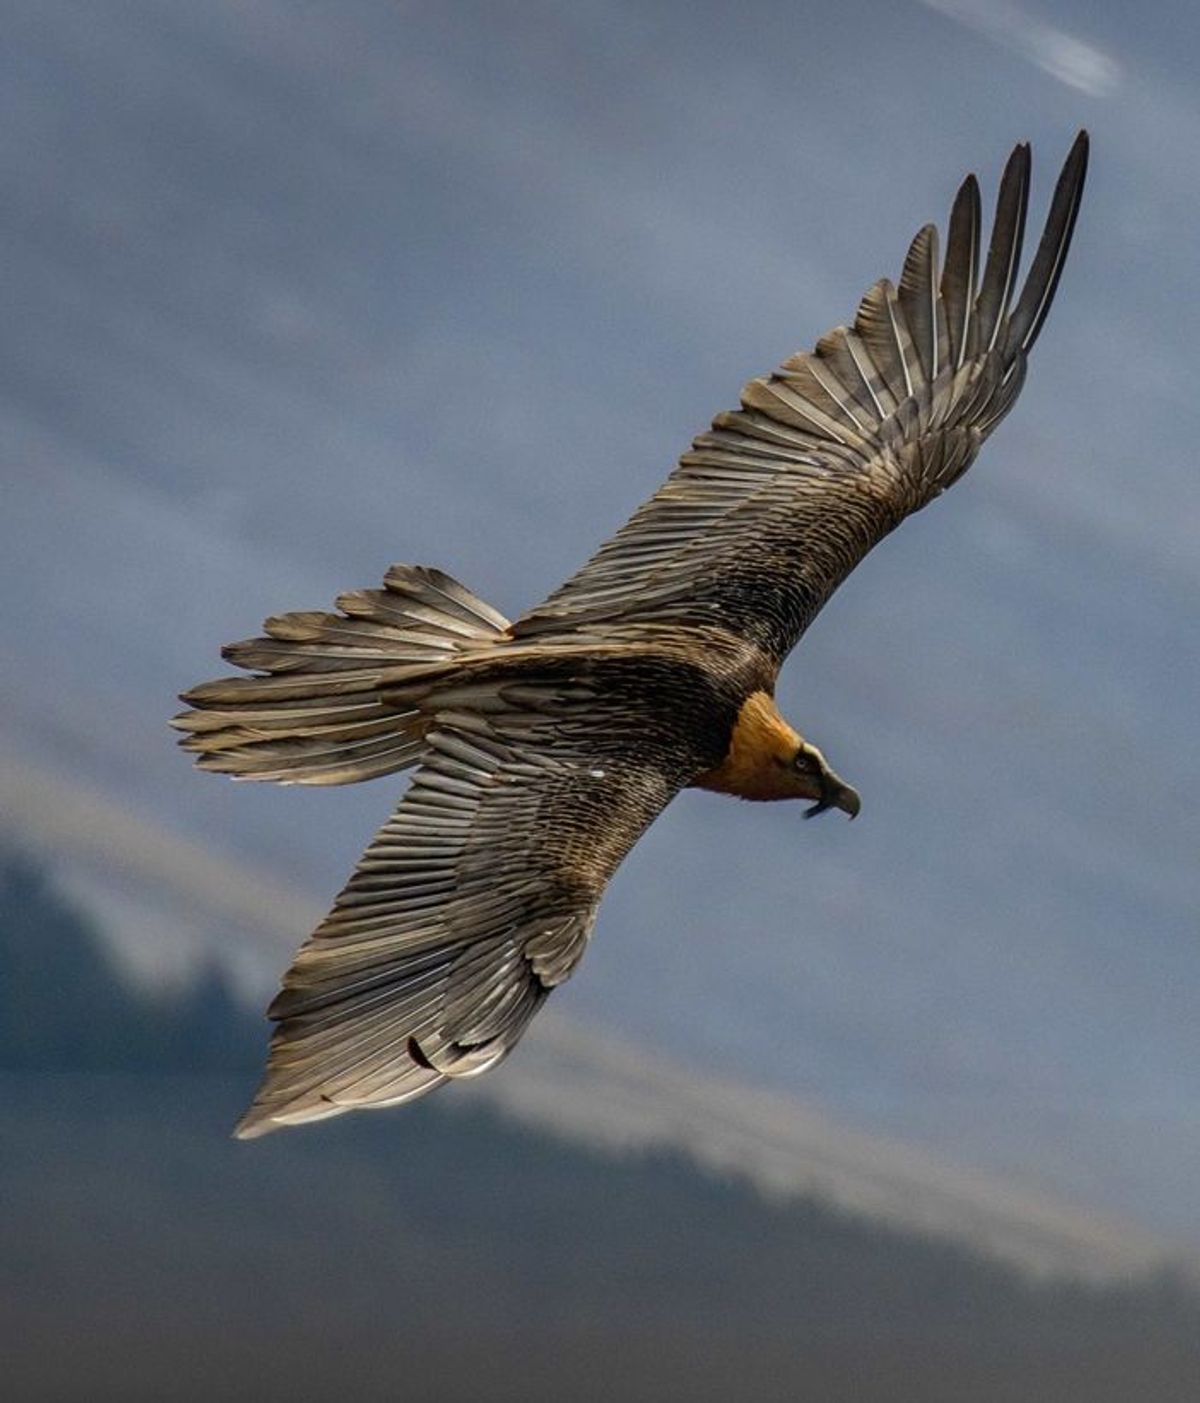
545	747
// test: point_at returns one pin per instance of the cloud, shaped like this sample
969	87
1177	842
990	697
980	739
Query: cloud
1071	60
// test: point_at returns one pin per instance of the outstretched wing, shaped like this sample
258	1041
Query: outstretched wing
475	899
774	506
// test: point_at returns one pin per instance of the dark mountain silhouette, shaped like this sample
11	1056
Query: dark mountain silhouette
64	1006
441	1252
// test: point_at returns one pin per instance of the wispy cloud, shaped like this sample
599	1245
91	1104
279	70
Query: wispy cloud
1071	60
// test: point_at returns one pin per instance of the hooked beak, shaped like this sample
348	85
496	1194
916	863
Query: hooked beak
835	794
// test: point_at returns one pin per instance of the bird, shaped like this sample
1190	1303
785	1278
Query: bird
545	747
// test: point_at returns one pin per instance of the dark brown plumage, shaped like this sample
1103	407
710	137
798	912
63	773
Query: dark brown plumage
547	746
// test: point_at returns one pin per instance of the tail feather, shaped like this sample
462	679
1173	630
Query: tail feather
313	712
422	595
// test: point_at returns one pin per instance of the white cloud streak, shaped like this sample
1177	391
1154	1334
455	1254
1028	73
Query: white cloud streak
1071	60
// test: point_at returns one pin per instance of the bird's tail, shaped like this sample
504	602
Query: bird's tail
312	713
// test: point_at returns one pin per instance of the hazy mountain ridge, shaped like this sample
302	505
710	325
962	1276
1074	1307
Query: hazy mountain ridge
442	1245
64	1006
597	1089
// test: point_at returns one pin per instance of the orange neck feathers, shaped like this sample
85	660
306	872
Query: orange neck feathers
761	754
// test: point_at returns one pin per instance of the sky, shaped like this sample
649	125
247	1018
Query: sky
294	291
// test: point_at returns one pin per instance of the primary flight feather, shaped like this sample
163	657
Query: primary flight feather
547	746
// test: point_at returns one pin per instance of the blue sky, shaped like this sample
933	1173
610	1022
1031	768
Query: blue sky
295	291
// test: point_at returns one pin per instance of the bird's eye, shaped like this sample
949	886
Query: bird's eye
805	761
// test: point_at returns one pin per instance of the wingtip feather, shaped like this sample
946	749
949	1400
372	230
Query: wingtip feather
960	274
1004	250
1029	316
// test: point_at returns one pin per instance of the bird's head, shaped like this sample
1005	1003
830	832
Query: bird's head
813	779
769	759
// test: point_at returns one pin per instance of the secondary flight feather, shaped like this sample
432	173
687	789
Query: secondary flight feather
545	747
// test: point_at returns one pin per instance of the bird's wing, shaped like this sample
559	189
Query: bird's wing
775	505
475	899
